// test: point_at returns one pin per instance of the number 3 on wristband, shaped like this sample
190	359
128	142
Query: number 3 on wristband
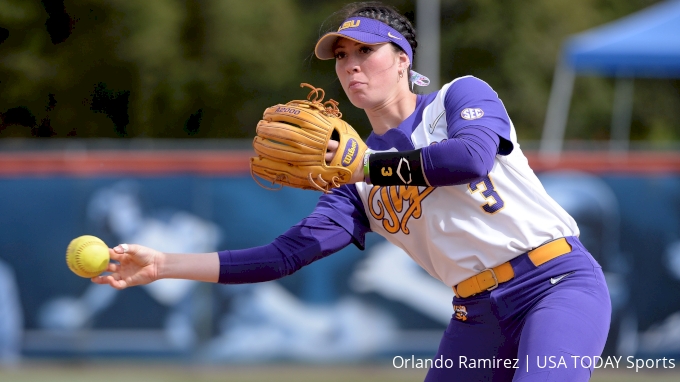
486	188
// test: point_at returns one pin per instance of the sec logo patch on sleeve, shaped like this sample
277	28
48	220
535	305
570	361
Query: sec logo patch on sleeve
470	113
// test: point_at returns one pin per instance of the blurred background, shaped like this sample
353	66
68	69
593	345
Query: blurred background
132	121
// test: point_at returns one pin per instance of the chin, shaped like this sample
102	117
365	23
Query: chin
358	100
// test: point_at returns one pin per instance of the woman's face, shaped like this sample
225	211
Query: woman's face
369	74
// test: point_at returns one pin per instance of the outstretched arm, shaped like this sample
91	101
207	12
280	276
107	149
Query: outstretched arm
313	238
139	265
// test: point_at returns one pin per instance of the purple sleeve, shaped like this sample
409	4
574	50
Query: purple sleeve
315	237
469	155
345	208
470	101
478	129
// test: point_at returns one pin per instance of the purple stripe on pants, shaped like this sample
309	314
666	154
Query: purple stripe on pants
530	328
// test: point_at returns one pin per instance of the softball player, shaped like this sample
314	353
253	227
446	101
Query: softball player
446	181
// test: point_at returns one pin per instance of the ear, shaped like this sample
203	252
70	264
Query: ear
404	61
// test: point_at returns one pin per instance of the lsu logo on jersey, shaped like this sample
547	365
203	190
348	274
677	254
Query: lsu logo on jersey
396	205
460	312
349	24
470	113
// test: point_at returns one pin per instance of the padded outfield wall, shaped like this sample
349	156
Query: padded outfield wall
628	208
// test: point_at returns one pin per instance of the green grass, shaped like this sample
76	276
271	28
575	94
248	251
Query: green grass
155	372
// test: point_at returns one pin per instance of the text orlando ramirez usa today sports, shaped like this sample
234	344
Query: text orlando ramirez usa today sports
541	362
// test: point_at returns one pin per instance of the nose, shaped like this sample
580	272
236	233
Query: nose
351	65
347	67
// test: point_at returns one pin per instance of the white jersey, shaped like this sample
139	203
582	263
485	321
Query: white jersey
455	232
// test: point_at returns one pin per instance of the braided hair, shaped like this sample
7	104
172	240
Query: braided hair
385	14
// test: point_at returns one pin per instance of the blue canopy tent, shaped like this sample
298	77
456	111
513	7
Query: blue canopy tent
644	44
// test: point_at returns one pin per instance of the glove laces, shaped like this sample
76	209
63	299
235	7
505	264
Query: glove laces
315	97
329	109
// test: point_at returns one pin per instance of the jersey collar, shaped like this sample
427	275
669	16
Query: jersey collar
400	137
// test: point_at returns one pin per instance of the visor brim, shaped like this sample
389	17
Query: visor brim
324	47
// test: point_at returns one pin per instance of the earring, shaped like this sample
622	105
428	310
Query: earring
401	73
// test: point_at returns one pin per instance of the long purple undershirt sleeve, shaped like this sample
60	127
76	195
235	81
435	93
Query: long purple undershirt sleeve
467	156
315	237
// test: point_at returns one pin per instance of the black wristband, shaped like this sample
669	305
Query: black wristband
395	168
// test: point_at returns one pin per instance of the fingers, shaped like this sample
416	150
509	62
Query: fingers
333	145
332	148
119	284
113	267
99	280
117	252
112	279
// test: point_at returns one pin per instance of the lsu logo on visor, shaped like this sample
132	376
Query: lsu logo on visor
349	24
350	152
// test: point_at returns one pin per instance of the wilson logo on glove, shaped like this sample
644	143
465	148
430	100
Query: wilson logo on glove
350	152
292	140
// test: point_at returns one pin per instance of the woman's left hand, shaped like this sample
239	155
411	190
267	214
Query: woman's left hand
358	175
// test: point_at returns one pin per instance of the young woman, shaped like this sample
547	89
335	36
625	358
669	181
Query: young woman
446	181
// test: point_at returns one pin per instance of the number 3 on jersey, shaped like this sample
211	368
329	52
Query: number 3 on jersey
485	187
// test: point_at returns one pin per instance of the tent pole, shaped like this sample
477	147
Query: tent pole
427	60
622	111
558	110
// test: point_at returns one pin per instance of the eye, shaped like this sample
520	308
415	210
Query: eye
339	55
365	49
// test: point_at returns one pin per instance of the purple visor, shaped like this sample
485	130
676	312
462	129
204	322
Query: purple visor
363	30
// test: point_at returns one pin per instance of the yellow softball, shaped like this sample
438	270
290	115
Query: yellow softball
87	256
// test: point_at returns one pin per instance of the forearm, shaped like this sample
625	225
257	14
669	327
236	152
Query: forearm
313	238
462	159
465	157
259	264
199	267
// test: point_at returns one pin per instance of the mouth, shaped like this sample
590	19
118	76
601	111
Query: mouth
354	84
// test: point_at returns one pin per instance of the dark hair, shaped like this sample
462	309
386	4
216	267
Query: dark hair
383	13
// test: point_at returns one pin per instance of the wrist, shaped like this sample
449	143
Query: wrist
161	265
366	169
394	168
188	266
